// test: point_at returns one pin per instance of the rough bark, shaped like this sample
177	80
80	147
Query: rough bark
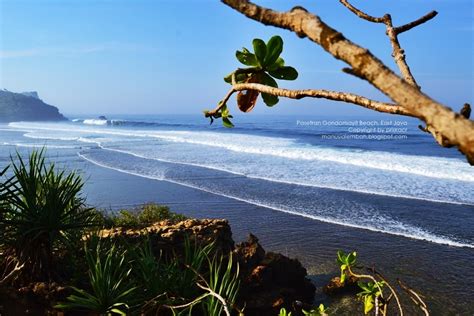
448	128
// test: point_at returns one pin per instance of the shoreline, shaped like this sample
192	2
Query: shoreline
314	243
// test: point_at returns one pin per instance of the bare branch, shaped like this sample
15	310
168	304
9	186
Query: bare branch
409	26
454	128
13	273
362	14
415	297
394	293
217	296
397	52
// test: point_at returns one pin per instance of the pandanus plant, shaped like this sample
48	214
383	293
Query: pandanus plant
42	213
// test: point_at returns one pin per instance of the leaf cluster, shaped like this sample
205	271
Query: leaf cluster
264	66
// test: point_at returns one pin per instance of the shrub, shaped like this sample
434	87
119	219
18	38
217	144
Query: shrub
43	213
144	216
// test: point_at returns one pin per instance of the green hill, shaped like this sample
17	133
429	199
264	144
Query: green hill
26	107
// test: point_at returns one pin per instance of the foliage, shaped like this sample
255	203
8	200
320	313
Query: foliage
371	291
43	213
265	65
168	280
111	290
372	294
346	262
320	311
224	281
143	216
283	312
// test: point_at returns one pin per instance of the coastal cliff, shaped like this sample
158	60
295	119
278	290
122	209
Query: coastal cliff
26	107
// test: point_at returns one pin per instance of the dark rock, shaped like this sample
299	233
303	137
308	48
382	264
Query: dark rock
270	281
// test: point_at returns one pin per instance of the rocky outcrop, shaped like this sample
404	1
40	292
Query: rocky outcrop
26	107
170	236
271	280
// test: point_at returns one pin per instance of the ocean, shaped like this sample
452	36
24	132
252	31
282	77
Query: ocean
376	182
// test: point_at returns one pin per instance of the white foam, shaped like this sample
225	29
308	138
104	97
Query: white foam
403	230
299	183
435	167
95	122
37	145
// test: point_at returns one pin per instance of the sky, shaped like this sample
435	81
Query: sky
169	57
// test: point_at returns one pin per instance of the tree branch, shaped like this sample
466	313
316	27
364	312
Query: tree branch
362	14
311	93
454	128
409	26
392	32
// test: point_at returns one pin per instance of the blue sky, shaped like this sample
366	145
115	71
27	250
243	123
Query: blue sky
153	57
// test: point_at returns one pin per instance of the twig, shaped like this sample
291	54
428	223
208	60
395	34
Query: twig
12	273
392	32
409	26
362	14
216	295
415	297
394	293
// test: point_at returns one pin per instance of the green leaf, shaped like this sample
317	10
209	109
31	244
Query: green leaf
260	49
363	286
227	123
284	73
322	308
368	304
270	100
239	78
280	62
274	49
246	57
340	257
351	258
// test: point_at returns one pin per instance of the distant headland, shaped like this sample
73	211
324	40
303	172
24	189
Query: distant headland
26	106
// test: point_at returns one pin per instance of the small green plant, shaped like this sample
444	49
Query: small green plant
283	312
377	292
265	65
42	213
371	292
346	262
320	311
111	291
